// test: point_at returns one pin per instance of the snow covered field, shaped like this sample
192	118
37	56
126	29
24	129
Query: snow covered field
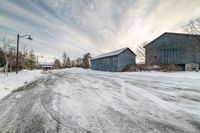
79	100
13	80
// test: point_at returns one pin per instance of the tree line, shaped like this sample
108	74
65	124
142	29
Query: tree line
27	58
66	62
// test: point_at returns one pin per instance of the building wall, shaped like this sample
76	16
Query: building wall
125	59
173	49
114	63
105	64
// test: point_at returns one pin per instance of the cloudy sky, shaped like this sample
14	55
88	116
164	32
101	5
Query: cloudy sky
95	26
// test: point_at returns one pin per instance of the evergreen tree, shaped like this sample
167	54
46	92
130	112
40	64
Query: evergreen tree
68	62
57	64
2	58
64	64
86	60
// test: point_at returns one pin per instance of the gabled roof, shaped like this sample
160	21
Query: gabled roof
113	53
171	33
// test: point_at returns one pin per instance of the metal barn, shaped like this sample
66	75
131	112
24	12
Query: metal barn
115	61
173	48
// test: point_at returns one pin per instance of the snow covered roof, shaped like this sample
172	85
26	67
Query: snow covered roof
113	53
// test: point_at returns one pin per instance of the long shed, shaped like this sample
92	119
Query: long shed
173	48
115	61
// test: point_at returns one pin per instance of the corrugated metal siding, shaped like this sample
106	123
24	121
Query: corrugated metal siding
125	59
173	49
114	63
105	64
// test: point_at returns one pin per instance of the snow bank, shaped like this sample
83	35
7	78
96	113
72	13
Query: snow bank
189	80
14	81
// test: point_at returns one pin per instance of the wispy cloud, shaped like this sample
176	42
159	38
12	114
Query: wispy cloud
79	26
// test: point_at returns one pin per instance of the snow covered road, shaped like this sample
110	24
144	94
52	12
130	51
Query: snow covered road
77	100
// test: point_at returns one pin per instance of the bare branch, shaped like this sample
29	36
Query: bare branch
6	47
140	51
193	26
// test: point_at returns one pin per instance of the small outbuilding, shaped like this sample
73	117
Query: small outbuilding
115	61
45	66
173	48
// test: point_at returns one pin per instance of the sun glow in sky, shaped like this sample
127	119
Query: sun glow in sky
95	26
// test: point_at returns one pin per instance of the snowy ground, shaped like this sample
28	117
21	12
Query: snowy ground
78	100
13	80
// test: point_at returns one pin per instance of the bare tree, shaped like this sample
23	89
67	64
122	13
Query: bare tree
79	62
6	46
24	55
193	26
73	63
12	58
140	52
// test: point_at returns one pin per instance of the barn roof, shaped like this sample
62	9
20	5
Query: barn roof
171	33
113	53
